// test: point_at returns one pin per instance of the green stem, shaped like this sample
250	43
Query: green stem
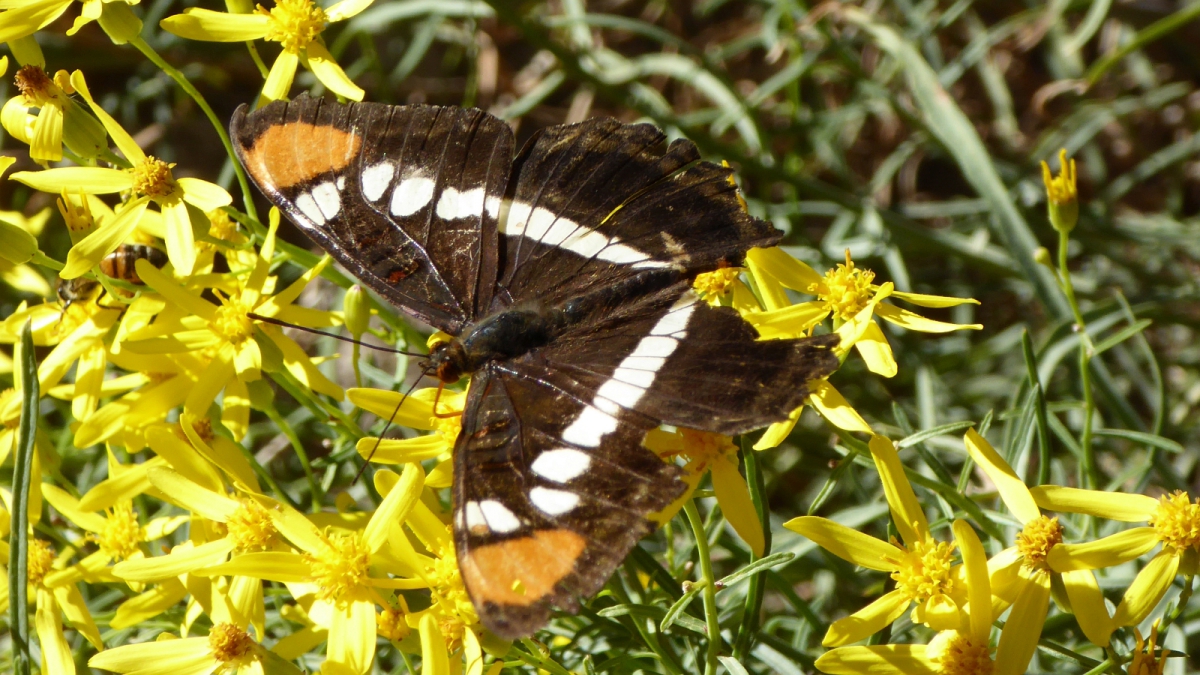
318	495
1180	605
182	81
710	587
754	595
1090	476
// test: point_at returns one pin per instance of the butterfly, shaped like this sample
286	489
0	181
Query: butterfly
563	273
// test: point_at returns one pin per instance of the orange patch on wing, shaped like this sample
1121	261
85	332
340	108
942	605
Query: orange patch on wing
291	153
538	562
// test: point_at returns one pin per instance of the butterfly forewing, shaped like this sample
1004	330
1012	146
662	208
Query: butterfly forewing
405	197
593	203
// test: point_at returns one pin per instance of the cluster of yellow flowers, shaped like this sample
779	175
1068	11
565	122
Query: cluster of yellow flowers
173	366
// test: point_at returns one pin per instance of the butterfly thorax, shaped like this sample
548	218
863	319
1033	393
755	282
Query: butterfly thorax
505	335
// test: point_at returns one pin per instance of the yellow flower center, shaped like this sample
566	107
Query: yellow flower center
703	448
448	427
230	644
925	570
450	601
250	527
232	322
716	284
391	625
1145	660
35	85
41	558
221	226
1177	521
1037	538
341	568
847	289
122	534
962	654
294	23
152	177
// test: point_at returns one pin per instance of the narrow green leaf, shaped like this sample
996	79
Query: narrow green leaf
1121	336
18	555
1141	437
761	564
731	664
940	430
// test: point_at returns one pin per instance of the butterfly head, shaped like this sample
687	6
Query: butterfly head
448	361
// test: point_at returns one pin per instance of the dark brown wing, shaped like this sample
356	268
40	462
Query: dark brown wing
405	197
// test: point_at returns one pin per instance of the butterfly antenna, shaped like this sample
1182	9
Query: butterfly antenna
343	338
388	424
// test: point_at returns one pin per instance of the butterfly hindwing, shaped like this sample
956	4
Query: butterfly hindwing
597	202
539	521
405	197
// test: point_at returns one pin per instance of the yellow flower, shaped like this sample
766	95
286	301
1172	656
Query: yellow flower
249	527
416	412
227	648
295	24
1021	574
1172	520
710	452
1062	193
848	294
228	336
962	650
714	287
24	18
922	567
344	568
149	179
59	118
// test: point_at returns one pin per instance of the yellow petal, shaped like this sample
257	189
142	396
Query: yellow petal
846	543
914	321
56	652
204	195
91	250
868	620
413	411
789	321
1130	508
773	294
183	458
25	20
247	361
180	561
68	506
86	179
235	409
1087	602
301	366
273	565
734	497
174	293
906	510
124	141
1021	632
1012	489
148	605
181	243
47	135
878	660
939	613
346	8
434	659
979	593
873	347
834	407
395	506
402	450
327	70
211	382
779	431
933	300
279	80
16	120
210	26
1108	551
1147	589
352	638
135	657
787	270
75	609
200	501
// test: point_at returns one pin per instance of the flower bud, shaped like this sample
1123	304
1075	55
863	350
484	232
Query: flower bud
357	311
1042	256
1063	198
